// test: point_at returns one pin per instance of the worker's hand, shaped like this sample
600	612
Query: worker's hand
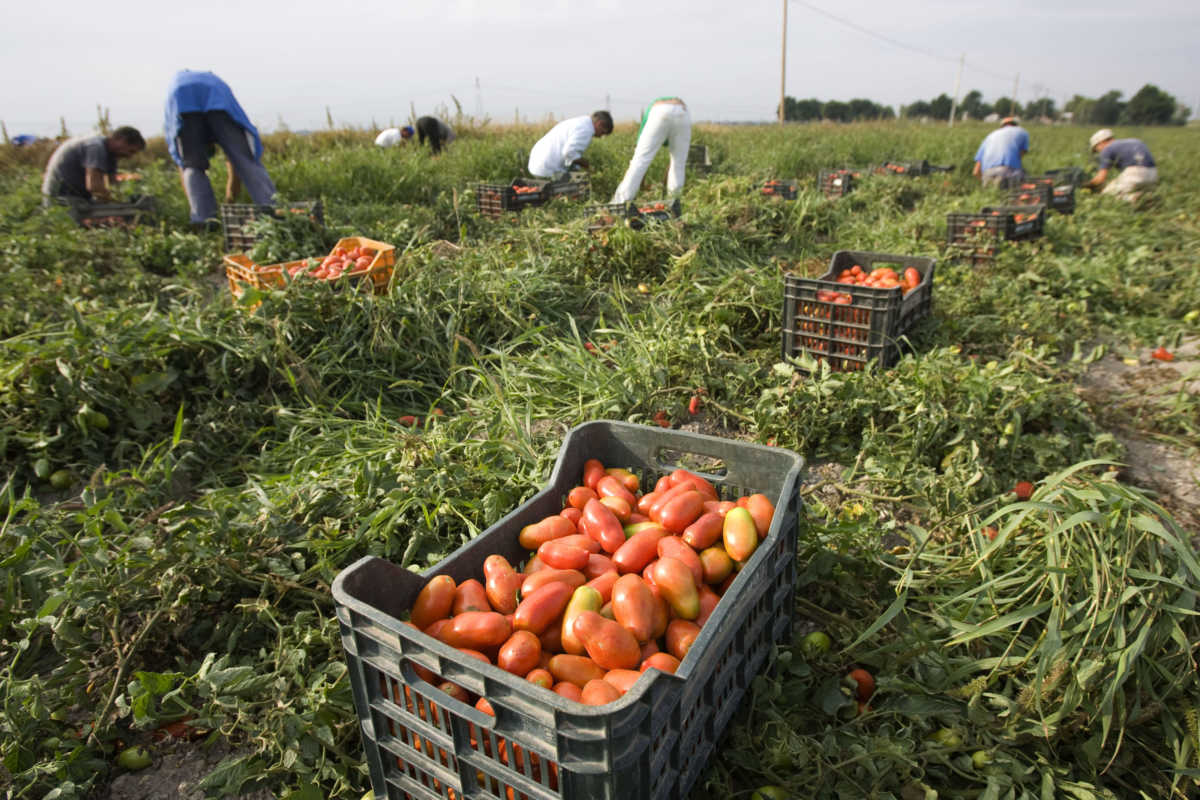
581	163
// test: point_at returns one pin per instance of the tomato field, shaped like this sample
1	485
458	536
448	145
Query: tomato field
992	600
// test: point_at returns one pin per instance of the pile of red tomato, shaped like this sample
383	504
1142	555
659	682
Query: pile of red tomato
880	277
616	583
337	263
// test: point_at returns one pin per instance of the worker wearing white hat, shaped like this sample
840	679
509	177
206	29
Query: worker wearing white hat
1131	157
999	156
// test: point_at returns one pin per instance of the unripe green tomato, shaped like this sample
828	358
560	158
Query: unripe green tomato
41	468
981	758
98	420
134	758
61	479
946	737
815	643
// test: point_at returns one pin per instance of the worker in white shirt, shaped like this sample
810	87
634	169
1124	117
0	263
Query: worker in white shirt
561	150
665	120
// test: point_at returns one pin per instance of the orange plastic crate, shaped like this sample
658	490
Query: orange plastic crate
243	273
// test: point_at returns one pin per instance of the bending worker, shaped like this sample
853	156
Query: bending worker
84	168
999	156
1131	157
665	120
202	112
391	137
561	149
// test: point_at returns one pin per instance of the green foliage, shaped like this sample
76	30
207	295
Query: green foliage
228	459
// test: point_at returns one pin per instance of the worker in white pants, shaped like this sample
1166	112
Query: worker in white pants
666	120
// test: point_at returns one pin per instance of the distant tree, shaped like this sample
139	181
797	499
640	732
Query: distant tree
809	110
1108	108
1150	106
1182	113
973	106
1042	107
836	110
887	112
800	110
861	108
1005	107
917	110
939	107
1081	108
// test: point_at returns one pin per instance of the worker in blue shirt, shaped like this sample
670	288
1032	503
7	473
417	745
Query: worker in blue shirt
999	156
1131	157
202	112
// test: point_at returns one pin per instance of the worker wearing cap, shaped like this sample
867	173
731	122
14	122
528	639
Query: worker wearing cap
390	137
1131	157
201	113
664	120
999	156
561	149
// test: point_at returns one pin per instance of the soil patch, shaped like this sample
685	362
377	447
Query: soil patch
1129	391
176	772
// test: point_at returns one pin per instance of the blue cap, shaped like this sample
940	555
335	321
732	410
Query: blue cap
407	130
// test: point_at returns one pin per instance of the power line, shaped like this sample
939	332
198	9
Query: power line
897	43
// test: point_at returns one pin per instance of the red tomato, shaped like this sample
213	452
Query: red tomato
433	602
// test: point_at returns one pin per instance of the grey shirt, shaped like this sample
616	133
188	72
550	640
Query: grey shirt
66	172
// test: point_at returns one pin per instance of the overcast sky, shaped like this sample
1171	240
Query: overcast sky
371	60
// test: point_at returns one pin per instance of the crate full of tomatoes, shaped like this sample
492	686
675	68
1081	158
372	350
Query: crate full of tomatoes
352	259
1012	223
908	169
780	188
858	310
493	199
596	641
837	182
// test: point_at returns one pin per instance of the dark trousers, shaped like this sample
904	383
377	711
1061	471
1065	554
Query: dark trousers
429	128
199	131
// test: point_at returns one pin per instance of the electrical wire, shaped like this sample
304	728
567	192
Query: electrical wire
896	43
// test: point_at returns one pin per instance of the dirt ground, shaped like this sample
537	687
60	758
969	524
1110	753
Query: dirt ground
177	769
1123	387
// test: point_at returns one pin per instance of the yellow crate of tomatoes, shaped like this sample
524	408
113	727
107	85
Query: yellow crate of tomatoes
495	672
355	258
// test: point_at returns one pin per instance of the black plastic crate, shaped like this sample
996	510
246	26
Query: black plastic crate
993	223
837	182
236	216
654	742
778	188
576	185
493	199
655	211
1062	199
848	333
1066	176
100	215
908	169
699	158
1021	222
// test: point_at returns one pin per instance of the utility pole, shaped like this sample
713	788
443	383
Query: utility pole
957	83
607	103
783	67
478	99
1016	83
